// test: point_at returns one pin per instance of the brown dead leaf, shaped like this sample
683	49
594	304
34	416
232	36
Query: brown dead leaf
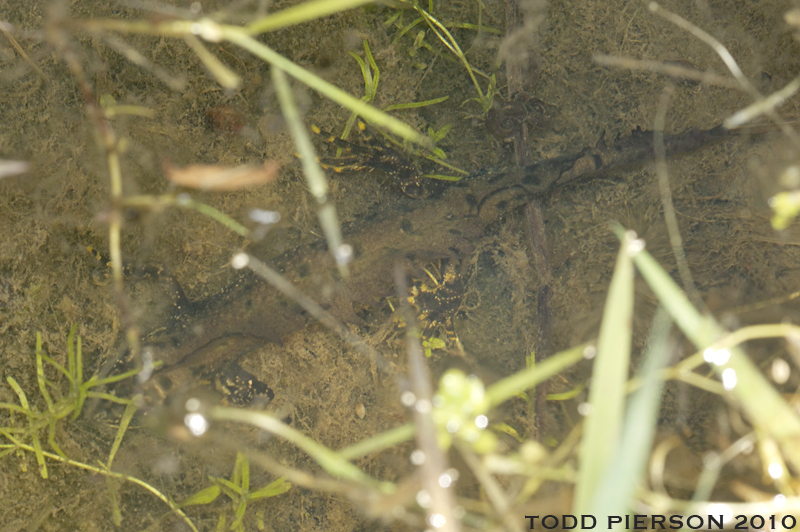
221	178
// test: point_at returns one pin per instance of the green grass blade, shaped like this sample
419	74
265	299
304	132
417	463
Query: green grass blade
70	349
234	491
214	214
112	497
23	399
374	78
603	426
764	407
272	489
415	105
368	67
37	450
328	459
78	360
58	367
7	450
102	471
241	472
241	508
379	442
204	496
51	438
300	13
526	379
624	476
40	373
369	113
15	408
127	416
407	28
107	397
94	381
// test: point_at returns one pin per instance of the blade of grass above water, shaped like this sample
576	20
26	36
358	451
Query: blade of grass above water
603	424
623	477
764	407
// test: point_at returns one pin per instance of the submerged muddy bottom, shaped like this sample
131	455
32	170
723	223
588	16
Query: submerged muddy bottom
325	388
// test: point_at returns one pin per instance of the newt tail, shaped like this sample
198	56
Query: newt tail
597	161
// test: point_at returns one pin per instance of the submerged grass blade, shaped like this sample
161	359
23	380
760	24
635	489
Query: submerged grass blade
51	437
379	442
37	450
23	399
116	513
272	489
526	379
315	177
105	472
127	416
603	425
40	374
204	496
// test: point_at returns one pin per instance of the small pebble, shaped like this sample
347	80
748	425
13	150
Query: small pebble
361	410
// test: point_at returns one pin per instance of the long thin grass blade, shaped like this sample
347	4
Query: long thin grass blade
40	373
526	379
37	450
603	425
621	480
127	416
112	496
23	399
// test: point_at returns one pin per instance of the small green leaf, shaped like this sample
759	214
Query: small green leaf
441	177
436	136
565	396
204	496
23	399
241	472
431	344
415	105
233	489
508	429
271	490
239	515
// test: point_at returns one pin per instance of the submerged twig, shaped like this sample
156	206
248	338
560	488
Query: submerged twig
666	199
671	69
110	146
534	227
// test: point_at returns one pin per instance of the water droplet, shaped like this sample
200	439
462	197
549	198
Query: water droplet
418	457
196	423
240	260
729	379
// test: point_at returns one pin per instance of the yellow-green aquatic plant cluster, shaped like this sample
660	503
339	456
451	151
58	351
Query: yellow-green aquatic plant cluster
59	405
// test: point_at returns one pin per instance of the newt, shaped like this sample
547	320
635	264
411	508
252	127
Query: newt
411	232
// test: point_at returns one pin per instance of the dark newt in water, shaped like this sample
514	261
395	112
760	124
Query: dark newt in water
411	232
